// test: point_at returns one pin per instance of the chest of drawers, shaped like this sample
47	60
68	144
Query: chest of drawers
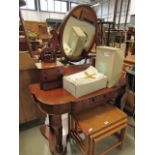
50	75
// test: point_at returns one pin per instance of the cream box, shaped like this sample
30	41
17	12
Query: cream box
109	61
85	82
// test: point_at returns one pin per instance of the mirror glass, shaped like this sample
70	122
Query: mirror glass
78	32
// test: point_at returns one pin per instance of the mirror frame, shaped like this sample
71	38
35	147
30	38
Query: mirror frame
62	27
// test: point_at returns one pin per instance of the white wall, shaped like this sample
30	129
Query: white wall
132	8
40	16
101	13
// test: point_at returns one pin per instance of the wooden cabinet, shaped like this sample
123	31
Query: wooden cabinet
40	28
24	43
127	64
28	110
50	75
92	102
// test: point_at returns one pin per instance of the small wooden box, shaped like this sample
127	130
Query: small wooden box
50	75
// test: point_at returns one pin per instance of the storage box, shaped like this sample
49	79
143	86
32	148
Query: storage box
85	82
76	41
109	61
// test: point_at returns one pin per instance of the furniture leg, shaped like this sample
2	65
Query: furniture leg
53	133
55	125
69	127
122	136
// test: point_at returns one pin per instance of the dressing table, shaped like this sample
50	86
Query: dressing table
58	101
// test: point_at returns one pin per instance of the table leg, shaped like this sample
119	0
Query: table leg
55	125
53	133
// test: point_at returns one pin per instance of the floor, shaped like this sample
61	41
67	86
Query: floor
33	143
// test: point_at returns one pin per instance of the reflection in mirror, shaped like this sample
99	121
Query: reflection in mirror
78	32
77	36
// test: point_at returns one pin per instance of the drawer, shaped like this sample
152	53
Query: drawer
51	74
111	97
88	103
95	101
51	85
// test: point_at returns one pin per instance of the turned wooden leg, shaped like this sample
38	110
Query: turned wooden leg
122	136
53	132
69	127
55	125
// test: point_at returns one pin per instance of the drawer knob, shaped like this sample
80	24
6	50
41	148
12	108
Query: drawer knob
93	99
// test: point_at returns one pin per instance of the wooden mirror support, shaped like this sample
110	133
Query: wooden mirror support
84	19
48	55
22	3
49	52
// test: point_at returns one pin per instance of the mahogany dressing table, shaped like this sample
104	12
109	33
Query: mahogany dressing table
58	101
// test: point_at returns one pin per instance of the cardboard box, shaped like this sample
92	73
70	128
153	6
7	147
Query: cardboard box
109	61
85	82
76	41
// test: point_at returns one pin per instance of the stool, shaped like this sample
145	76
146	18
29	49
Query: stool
95	125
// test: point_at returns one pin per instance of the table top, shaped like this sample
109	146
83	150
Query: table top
42	65
102	117
60	96
58	99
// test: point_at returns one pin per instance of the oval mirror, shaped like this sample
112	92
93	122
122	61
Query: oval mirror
78	32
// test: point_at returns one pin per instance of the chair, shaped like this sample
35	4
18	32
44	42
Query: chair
128	99
89	128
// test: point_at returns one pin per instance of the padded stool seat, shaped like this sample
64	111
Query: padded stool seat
90	127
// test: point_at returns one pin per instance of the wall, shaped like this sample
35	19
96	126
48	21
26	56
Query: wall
40	16
101	13
132	20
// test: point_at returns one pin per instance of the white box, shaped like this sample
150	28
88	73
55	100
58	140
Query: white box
85	82
109	61
76	41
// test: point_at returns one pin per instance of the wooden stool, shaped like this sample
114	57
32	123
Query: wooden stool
95	125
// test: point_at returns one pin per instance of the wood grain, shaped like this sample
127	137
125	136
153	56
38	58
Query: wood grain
28	110
59	101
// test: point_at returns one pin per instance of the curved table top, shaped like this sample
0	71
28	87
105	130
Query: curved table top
51	97
60	96
59	99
